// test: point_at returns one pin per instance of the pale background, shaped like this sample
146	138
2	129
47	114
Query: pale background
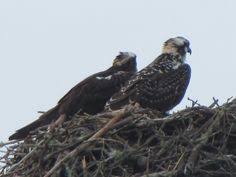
48	46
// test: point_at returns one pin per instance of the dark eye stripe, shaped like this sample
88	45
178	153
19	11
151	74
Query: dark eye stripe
187	43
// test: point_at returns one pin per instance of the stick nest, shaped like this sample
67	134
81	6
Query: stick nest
198	142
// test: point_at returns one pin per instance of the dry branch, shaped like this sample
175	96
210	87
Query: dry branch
198	142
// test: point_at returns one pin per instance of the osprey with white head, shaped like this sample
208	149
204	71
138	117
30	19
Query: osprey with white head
162	84
177	46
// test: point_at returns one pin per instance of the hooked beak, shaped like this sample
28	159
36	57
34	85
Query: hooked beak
189	50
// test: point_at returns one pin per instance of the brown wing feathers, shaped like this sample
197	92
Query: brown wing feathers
89	96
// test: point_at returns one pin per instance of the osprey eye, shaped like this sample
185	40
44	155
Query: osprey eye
187	43
120	56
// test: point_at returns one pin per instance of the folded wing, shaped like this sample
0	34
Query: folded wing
161	91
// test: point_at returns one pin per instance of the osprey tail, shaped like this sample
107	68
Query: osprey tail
44	119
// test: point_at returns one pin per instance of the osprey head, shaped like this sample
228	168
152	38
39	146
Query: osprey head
125	61
177	46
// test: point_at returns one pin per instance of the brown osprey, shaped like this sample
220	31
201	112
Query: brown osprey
162	84
89	96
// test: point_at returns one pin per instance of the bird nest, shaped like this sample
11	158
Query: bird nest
198	142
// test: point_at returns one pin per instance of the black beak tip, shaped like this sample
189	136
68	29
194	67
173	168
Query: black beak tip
189	51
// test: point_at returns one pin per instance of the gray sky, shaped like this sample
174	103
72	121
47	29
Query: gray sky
48	46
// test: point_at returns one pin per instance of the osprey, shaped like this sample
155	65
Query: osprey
89	96
162	84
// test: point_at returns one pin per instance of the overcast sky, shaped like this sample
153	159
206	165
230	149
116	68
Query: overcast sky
48	46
